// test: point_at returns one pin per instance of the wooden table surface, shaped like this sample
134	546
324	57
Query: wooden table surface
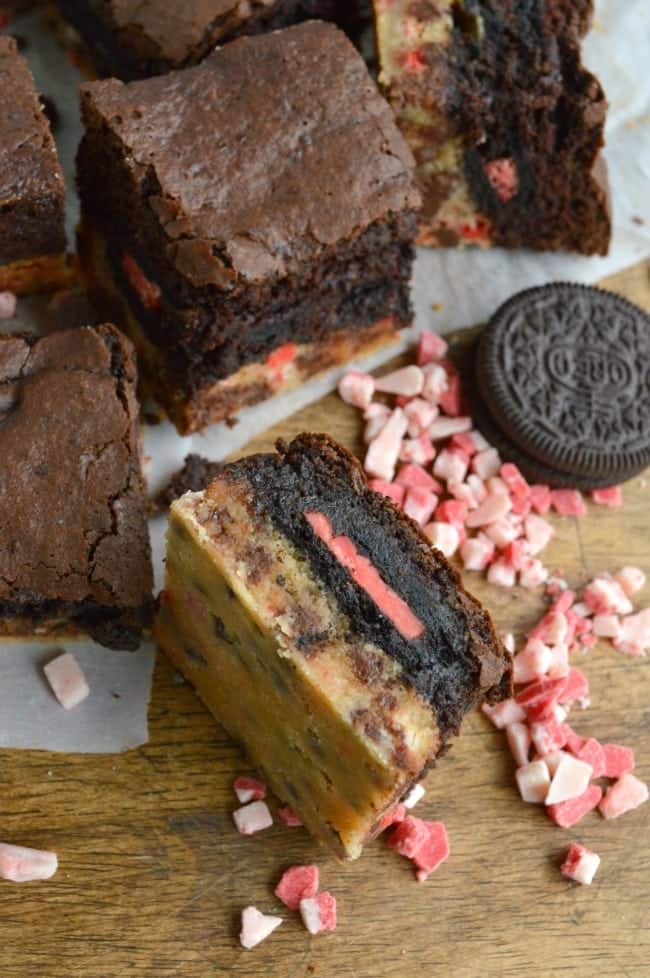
153	875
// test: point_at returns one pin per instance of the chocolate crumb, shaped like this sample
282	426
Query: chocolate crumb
196	474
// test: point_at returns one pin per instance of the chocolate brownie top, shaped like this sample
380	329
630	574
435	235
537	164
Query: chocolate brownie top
72	504
272	150
29	166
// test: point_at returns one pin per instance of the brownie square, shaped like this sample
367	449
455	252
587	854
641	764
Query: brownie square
127	39
505	123
252	216
32	236
75	544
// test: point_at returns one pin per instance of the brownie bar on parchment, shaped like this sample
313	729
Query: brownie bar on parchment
75	544
252	216
32	235
127	39
505	123
322	629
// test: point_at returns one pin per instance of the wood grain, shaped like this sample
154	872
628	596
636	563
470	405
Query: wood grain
153	875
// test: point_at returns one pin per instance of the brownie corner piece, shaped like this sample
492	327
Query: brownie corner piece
324	632
32	234
72	499
280	247
505	122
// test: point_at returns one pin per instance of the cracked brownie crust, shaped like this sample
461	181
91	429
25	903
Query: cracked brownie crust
72	502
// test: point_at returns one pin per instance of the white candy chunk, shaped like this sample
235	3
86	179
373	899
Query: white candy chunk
502	532
501	574
519	740
559	665
533	781
415	795
435	382
533	573
556	631
581	609
631	579
494	507
571	779
384	450
608	626
252	818
256	927
552	760
539	533
486	463
509	641
533	661
376	422
357	388
420	414
444	536
606	596
446	427
476	553
20	865
67	680
477	486
479	441
407	381
450	466
310	915
505	713
635	637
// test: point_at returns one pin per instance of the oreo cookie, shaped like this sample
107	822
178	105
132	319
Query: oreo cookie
563	375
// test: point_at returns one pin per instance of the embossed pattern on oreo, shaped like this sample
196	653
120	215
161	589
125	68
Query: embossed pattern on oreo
565	370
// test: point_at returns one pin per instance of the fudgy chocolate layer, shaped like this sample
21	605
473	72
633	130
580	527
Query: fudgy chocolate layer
31	181
118	628
130	41
458	659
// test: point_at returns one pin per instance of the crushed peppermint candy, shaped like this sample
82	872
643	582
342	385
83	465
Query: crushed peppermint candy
67	681
297	883
424	453
289	817
248	789
580	864
18	864
253	818
319	912
256	927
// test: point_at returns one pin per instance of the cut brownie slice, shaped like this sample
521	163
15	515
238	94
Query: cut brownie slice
326	634
32	236
252	216
128	39
75	544
505	123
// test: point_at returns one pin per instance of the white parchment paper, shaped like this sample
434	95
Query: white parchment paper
451	289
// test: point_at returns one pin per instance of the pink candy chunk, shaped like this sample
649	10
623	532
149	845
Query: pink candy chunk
445	427
624	795
384	450
519	741
540	499
608	626
67	680
568	502
407	381
494	507
580	864
430	347
418	450
452	511
547	735
532	574
289	817
357	388
502	532
612	497
319	913
420	414
433	852
19	864
435	383
618	760
420	504
444	536
409	836
252	818
576	686
414	476
539	533
570	780
248	789
392	817
631	579
8	304
486	463
569	813
533	781
392	490
504	714
256	927
592	753
297	883
515	481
